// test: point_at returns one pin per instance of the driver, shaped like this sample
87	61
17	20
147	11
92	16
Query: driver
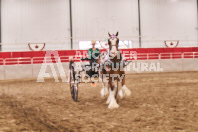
93	54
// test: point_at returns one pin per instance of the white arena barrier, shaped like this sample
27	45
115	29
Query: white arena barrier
18	71
190	64
31	71
2	72
37	70
174	65
143	66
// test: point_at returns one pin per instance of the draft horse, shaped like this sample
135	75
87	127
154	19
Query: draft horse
112	69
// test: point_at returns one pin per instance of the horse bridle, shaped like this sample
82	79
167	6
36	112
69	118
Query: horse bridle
121	59
112	37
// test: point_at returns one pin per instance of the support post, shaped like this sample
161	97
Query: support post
139	19
0	26
197	21
71	30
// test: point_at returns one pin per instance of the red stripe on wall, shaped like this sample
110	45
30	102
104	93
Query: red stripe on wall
142	54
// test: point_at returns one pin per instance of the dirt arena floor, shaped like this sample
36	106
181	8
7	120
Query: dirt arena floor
159	102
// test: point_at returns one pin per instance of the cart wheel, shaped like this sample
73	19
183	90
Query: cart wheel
75	93
73	87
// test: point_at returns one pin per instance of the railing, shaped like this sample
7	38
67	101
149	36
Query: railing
171	55
1	61
190	55
14	61
146	56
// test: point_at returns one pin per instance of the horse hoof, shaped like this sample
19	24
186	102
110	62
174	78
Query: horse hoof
104	92
113	105
121	94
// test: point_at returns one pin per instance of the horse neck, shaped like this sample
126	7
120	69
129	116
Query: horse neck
117	58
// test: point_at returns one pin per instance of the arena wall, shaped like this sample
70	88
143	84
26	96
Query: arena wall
168	20
2	73
48	21
20	65
106	20
37	69
167	65
31	54
28	71
18	71
190	64
33	21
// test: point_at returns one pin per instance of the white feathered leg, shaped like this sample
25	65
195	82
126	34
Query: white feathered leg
109	97
121	94
104	90
127	92
115	84
124	91
113	104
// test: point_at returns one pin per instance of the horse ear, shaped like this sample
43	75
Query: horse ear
117	34
109	34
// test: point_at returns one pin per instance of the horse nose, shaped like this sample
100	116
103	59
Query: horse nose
113	52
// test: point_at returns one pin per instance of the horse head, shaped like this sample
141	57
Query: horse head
113	42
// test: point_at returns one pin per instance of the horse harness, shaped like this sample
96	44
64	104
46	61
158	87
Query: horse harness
110	63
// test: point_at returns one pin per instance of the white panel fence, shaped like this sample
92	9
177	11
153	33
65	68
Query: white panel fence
31	71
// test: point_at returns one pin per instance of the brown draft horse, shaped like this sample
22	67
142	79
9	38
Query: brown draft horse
112	70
